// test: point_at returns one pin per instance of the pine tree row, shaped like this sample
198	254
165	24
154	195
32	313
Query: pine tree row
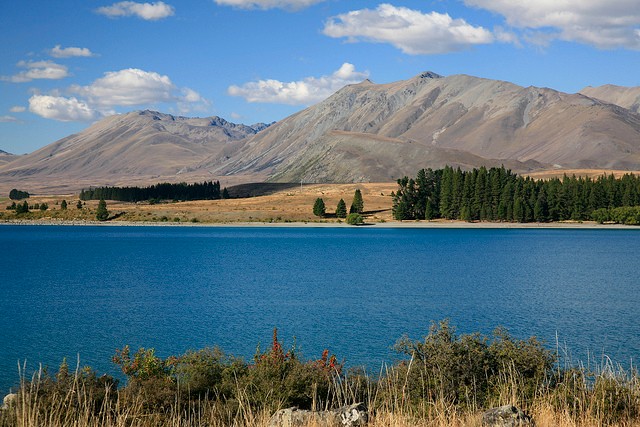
165	191
497	194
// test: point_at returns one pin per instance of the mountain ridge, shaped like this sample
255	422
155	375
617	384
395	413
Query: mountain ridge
363	132
496	121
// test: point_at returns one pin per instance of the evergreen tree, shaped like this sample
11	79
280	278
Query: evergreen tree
225	193
518	209
22	208
102	213
341	209
430	211
63	205
541	208
446	193
18	195
319	208
79	204
357	205
401	211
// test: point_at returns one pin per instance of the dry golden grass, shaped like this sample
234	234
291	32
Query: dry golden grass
294	204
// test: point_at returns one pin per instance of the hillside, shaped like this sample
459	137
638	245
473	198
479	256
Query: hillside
6	157
365	132
370	132
625	97
143	146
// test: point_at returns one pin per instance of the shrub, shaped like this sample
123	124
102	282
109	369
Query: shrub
77	391
278	379
209	373
355	219
149	378
22	208
471	370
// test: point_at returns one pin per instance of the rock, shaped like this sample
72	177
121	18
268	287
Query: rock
347	416
506	416
9	400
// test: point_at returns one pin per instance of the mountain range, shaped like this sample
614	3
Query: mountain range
363	132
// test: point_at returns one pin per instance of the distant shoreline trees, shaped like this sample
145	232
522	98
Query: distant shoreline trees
497	194
164	191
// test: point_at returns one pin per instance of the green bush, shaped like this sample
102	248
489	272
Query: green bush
209	373
149	378
279	379
471	370
77	389
355	219
628	215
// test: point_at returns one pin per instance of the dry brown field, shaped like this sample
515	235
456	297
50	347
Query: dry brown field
252	203
294	204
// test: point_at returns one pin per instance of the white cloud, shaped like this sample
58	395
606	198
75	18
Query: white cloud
192	101
303	92
62	109
411	31
68	52
125	88
269	4
146	11
8	119
17	109
602	23
37	70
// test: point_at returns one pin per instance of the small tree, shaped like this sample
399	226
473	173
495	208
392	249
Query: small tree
357	205
102	213
225	193
22	208
63	205
341	209
319	208
44	206
17	194
79	204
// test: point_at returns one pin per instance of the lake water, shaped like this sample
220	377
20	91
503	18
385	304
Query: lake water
88	290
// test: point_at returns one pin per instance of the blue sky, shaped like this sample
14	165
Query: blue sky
65	64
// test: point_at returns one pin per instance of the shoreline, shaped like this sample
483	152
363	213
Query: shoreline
437	224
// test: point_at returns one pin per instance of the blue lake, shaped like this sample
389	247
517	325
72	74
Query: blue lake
87	290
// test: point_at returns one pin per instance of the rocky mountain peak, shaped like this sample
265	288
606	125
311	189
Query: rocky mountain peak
429	75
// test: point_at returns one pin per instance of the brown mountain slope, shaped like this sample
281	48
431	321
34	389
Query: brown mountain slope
475	119
625	97
364	132
141	146
6	157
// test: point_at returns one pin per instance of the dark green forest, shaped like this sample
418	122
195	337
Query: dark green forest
497	194
165	191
